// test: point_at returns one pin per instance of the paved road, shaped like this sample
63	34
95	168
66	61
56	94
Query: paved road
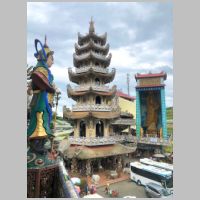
125	188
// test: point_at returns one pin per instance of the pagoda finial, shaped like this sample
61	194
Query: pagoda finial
91	29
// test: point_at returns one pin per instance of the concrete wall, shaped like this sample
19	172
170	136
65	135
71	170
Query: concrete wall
127	106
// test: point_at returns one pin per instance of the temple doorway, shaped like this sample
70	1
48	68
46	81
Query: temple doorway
99	129
82	129
98	100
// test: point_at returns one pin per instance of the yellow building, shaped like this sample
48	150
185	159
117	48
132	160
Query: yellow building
127	104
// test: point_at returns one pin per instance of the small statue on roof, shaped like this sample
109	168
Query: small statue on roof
43	92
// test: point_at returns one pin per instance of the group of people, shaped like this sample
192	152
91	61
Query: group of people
85	189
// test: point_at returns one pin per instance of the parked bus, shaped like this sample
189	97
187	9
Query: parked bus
143	174
162	165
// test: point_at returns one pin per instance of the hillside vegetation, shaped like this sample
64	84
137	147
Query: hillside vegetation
170	113
169	149
170	120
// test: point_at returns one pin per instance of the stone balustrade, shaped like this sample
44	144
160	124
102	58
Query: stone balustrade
95	141
95	68
93	107
93	86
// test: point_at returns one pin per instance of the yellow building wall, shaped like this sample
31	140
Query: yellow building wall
127	106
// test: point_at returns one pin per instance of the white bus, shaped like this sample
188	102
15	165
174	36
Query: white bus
143	174
162	165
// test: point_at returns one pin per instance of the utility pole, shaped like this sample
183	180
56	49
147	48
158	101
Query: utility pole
128	83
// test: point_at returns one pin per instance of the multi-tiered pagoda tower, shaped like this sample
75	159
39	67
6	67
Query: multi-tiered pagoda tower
95	144
95	105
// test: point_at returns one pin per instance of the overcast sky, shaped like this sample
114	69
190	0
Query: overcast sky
140	37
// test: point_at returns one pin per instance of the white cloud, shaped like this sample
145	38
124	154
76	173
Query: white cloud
139	10
60	74
38	12
122	57
169	101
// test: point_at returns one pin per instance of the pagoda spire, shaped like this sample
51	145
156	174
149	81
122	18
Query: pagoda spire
91	29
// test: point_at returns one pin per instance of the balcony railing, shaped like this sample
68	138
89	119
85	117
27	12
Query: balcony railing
95	141
95	68
93	107
154	140
93	86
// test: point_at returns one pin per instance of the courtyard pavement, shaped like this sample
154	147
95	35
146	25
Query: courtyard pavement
125	188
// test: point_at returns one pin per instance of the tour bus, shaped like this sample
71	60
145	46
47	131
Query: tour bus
162	165
143	174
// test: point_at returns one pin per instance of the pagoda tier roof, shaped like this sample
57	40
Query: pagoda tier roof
151	75
125	96
126	115
97	114
84	152
92	45
91	71
76	94
92	35
93	56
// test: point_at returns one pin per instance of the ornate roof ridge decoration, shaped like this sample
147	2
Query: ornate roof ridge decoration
100	151
93	45
91	70
92	55
151	75
73	94
83	38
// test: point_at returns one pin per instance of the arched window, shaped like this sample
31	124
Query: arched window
97	81
82	130
98	100
99	129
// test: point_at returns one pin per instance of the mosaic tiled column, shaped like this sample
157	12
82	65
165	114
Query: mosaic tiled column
138	114
163	107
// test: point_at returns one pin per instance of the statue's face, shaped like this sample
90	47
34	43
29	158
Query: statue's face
50	60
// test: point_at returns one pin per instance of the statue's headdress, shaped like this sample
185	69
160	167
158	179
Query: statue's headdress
44	52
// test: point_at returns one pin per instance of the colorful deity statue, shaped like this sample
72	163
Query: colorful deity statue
43	92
